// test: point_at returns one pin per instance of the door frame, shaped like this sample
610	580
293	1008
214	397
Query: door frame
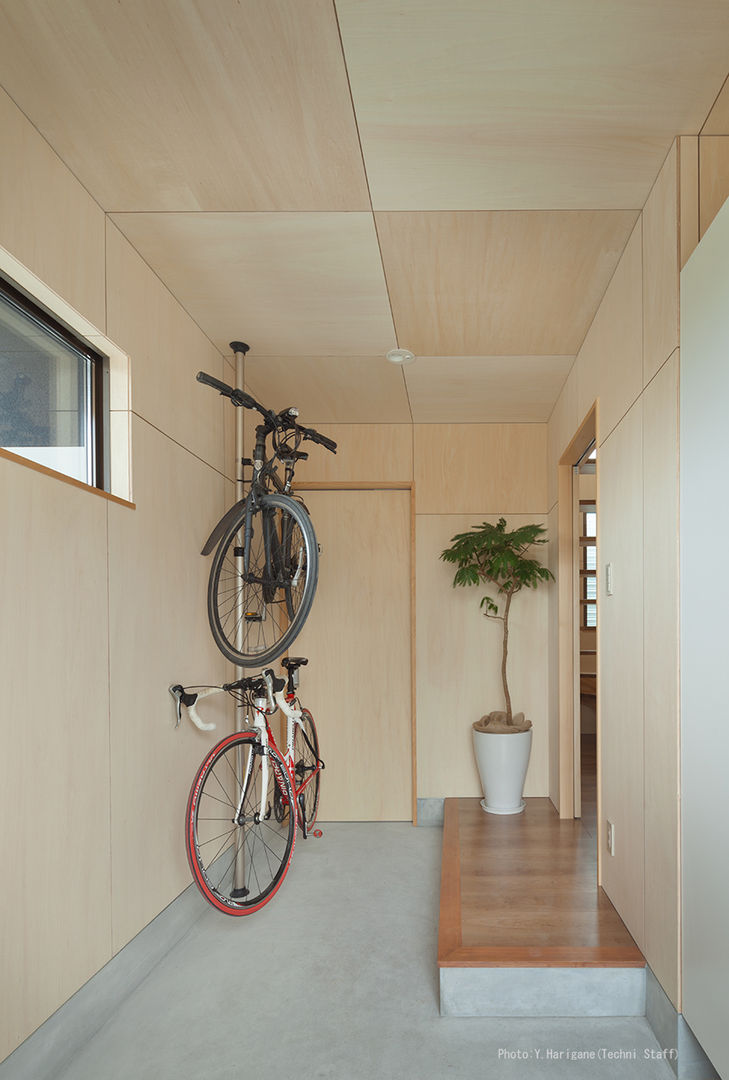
568	623
385	485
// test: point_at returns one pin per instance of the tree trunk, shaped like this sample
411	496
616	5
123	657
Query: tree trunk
505	653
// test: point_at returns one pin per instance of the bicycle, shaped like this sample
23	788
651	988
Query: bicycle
264	572
248	799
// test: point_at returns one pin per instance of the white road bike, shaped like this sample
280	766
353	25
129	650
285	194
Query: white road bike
248	799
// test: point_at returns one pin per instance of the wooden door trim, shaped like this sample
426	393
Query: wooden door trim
385	485
587	432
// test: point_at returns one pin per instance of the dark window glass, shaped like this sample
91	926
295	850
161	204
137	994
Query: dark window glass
51	391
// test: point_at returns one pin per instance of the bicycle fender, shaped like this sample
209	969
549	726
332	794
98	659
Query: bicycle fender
222	527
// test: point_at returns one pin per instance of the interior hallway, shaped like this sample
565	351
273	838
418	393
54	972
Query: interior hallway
337	979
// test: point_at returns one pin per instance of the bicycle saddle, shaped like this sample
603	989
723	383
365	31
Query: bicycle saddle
293	662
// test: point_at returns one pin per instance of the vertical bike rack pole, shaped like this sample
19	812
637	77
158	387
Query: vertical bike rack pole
239	350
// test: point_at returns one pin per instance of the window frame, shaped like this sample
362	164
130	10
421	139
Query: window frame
97	400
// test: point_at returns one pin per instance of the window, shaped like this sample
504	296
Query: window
588	569
53	392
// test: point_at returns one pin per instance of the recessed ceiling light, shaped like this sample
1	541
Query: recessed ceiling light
400	356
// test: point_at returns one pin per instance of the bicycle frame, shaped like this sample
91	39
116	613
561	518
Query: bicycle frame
262	708
265	478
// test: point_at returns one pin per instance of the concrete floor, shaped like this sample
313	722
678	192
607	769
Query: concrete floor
337	979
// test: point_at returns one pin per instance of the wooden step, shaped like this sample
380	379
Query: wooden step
521	893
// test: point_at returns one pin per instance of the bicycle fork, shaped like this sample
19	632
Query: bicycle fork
246	772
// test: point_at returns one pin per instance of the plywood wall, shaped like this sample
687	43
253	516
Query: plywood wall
462	474
54	727
103	608
704	172
628	366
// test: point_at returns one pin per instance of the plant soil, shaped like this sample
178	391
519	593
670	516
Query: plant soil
496	723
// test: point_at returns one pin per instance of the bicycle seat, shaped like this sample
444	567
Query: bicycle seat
291	663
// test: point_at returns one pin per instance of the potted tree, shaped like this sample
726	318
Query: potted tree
490	556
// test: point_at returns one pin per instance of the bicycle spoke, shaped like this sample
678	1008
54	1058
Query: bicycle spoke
227	796
236	852
239	866
256	613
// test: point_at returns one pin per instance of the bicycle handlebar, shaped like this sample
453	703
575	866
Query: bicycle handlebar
317	437
238	397
267	684
284	420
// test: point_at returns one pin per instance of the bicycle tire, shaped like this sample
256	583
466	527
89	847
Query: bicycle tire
255	616
306	760
239	866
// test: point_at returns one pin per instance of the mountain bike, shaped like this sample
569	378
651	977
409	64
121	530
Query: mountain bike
248	799
264	572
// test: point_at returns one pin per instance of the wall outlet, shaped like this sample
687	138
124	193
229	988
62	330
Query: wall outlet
611	838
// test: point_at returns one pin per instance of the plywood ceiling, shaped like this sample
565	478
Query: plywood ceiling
288	284
328	178
523	104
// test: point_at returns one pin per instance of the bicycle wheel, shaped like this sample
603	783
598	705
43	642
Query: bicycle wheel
257	603
238	849
306	769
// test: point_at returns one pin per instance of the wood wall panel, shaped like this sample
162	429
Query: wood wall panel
563	423
688	151
167	350
458	667
47	219
466	311
621	673
661	676
158	636
357	640
713	177
365	453
610	363
481	468
661	268
54	800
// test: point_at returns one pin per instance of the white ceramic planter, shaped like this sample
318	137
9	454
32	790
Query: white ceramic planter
502	762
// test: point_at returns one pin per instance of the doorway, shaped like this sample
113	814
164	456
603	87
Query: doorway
584	493
578	650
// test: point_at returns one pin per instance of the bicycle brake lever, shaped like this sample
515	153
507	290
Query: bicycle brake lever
188	700
177	692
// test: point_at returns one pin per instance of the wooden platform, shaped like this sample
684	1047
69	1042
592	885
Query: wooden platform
522	892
